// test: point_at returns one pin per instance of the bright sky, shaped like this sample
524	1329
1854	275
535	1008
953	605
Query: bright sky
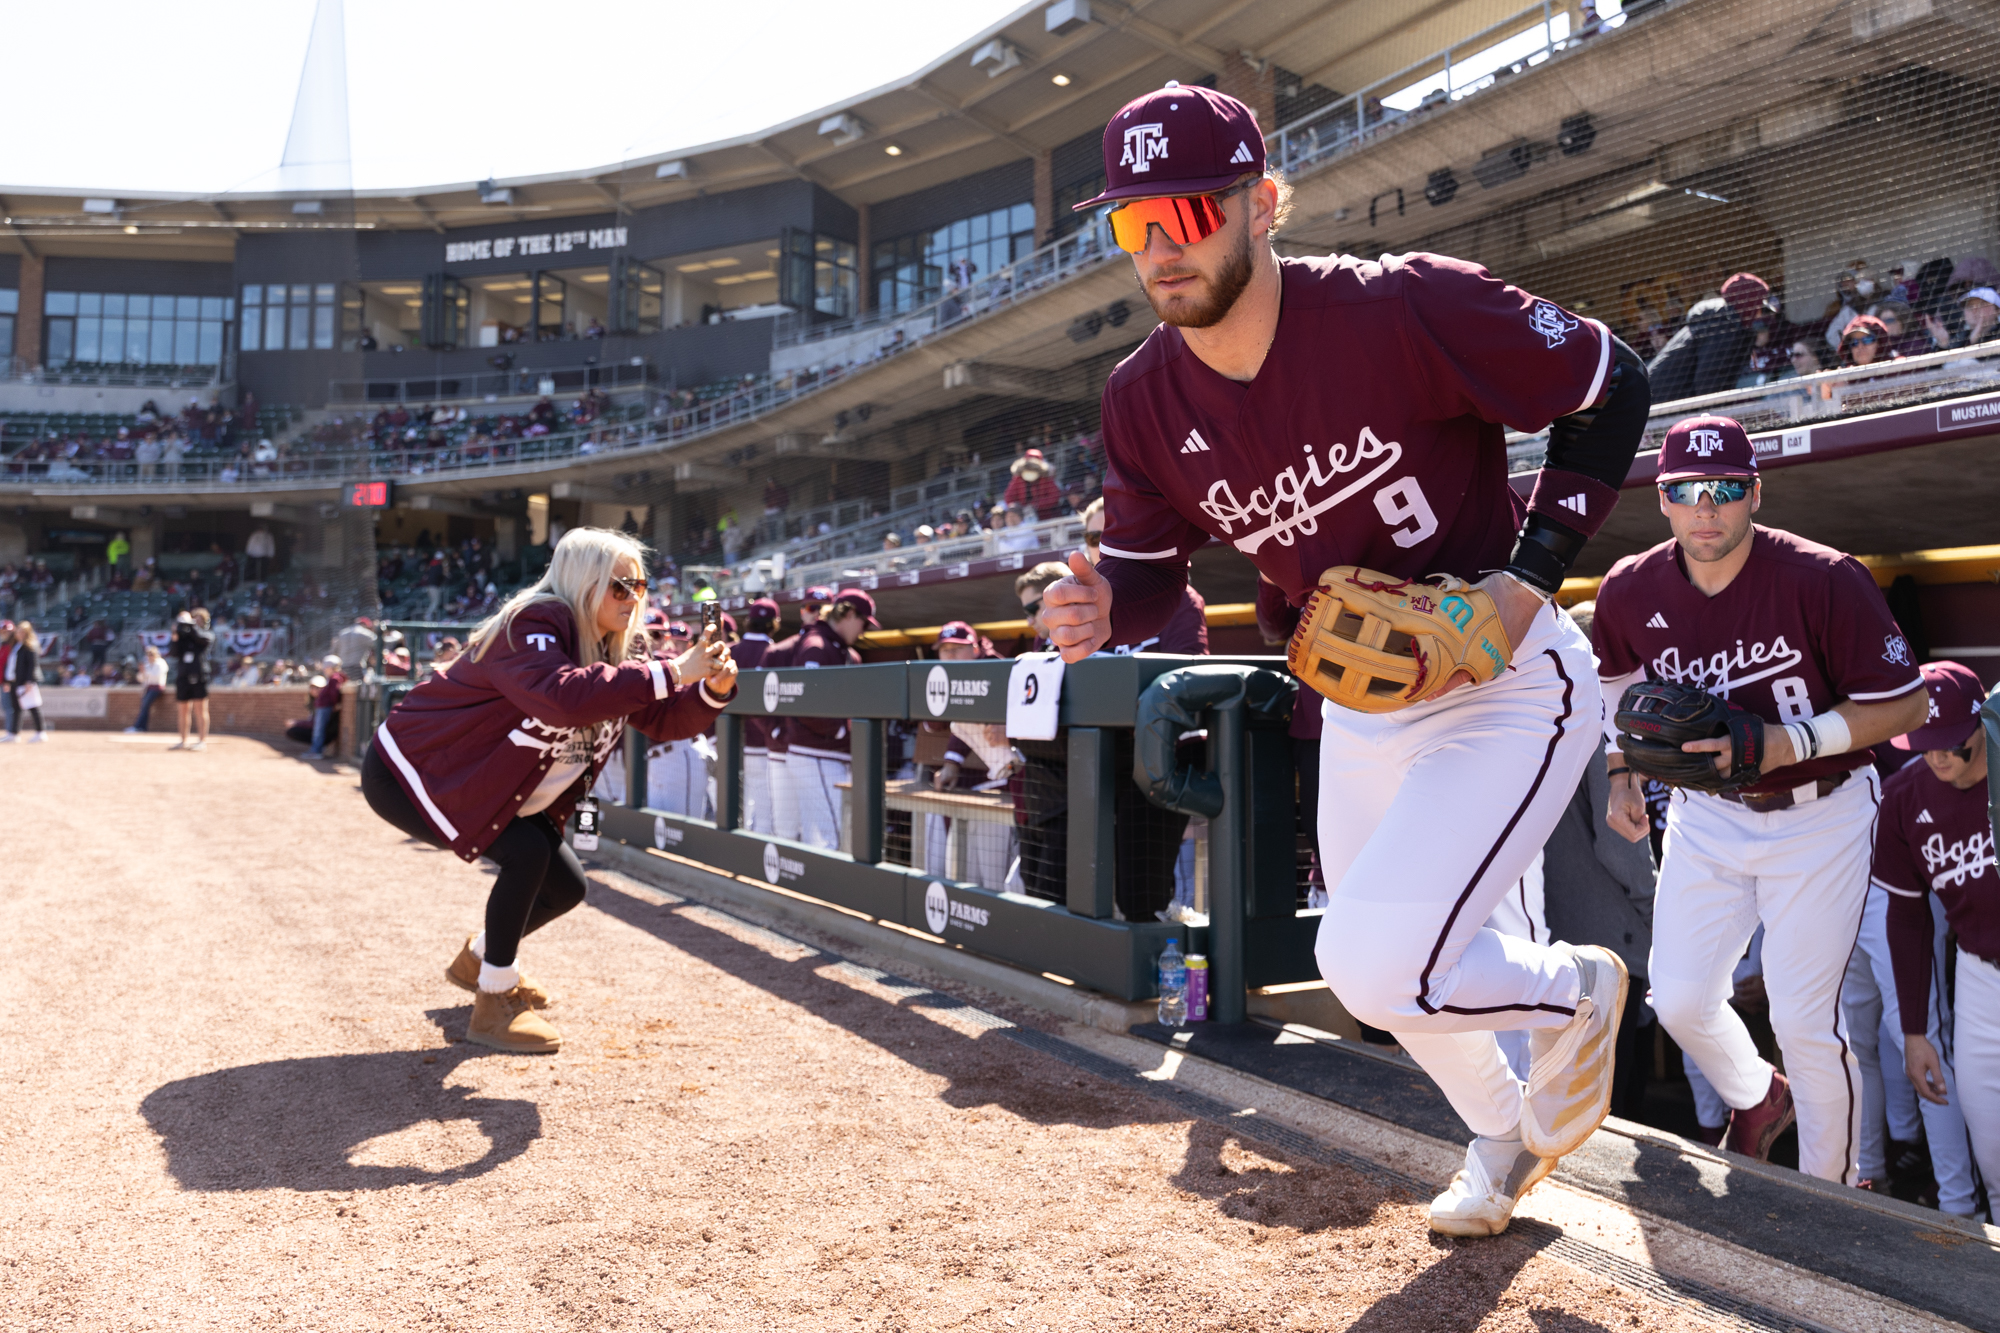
196	97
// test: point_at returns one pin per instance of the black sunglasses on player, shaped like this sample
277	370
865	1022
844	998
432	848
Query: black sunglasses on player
1721	490
1963	753
1032	609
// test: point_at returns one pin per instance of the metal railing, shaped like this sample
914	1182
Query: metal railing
1058	261
1333	129
115	375
1831	395
1051	539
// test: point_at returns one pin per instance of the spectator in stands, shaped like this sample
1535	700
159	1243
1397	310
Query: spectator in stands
1980	309
892	542
1712	347
1905	337
97	642
189	649
153	682
22	681
1853	291
1014	532
258	552
1033	486
776	498
1805	357
245	675
1864	342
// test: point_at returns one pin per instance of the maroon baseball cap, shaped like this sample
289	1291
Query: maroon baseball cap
861	602
1178	141
1706	446
957	631
656	620
679	630
764	607
1954	715
817	595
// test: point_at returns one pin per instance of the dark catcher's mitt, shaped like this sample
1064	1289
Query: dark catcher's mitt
1657	716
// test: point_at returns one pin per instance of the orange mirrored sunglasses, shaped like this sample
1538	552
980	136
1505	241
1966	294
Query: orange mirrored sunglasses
1184	218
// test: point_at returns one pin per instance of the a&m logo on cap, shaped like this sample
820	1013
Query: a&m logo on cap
1704	443
1143	144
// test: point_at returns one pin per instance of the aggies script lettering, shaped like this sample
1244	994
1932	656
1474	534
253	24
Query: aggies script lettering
1288	488
1728	670
1958	862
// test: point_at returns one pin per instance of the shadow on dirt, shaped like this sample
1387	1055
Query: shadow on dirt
296	1124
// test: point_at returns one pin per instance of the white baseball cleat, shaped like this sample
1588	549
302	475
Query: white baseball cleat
1569	1081
1480	1199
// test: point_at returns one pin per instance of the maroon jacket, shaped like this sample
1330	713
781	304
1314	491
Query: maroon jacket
819	737
471	742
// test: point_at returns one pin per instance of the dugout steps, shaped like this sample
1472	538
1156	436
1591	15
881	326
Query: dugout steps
1875	1245
1931	1261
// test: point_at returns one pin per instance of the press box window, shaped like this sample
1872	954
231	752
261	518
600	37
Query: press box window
290	317
134	329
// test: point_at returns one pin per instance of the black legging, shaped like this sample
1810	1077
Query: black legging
540	877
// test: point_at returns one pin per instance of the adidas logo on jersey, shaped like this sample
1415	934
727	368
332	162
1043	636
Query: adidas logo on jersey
1657	622
1575	504
1925	818
1194	443
1242	154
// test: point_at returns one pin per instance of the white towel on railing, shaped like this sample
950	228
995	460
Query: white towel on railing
1034	687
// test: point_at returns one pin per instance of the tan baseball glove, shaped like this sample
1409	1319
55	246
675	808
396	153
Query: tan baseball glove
1375	643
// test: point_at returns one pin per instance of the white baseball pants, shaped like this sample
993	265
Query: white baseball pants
1889	1105
1974	1059
1428	818
1803	872
989	850
813	781
784	800
1521	915
757	794
677	779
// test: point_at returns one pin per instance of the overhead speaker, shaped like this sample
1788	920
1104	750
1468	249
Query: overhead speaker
1507	163
1576	135
1441	188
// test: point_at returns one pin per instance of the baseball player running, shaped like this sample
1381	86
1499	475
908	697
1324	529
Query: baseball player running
1936	838
1789	647
1341	422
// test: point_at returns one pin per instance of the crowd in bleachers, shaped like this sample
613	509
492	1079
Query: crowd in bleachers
438	580
154	440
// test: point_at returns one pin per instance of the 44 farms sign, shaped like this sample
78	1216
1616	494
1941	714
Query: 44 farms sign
546	243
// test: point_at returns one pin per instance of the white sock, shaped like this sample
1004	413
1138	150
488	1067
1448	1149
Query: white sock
498	980
478	946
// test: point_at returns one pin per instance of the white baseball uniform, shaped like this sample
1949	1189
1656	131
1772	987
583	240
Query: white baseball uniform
1801	628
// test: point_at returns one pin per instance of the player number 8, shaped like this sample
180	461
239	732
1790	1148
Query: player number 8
1794	700
1403	502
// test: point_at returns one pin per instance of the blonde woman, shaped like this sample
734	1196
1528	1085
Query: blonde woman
490	757
23	683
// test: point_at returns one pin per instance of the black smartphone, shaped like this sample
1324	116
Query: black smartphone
711	621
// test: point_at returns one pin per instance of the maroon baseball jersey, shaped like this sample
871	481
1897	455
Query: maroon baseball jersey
820	737
1801	628
1373	434
1186	631
1932	838
749	654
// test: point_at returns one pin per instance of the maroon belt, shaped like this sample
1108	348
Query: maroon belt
1765	802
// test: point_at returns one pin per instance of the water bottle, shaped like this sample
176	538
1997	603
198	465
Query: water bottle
1173	987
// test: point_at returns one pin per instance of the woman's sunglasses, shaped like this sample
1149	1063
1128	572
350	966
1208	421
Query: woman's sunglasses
628	590
1864	340
1721	490
1184	218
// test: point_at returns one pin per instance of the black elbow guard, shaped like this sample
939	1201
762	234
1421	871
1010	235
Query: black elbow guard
1543	553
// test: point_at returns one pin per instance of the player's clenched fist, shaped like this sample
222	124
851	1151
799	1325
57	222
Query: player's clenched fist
1076	610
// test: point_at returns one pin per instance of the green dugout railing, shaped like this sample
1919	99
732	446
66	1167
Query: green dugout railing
1256	935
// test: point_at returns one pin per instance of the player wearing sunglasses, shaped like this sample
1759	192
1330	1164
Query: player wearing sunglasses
1337	411
1800	637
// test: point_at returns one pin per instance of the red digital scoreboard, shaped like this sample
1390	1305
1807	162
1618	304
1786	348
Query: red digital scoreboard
369	494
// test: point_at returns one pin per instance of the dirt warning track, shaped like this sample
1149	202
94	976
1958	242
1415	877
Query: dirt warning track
236	1101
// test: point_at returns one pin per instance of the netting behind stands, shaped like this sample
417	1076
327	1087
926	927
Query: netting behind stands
1848	159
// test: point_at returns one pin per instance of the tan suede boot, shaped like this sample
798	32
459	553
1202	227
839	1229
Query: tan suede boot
507	1023
464	974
